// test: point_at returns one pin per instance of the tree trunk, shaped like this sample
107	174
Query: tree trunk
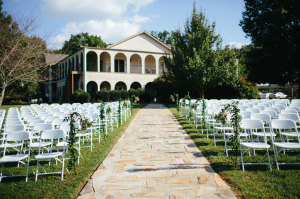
201	92
2	94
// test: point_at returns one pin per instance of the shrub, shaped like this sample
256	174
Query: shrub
80	96
139	92
114	95
247	90
103	95
132	92
124	94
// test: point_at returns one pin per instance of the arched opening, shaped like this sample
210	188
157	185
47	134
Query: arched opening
91	61
92	88
135	64
120	63
162	65
120	86
150	65
105	86
81	62
135	85
104	62
150	90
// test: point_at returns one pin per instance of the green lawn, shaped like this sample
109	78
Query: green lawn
256	181
51	186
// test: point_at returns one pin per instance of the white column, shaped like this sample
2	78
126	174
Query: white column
143	64
112	63
98	62
128	64
157	66
84	70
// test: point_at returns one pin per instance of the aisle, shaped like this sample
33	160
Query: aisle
155	158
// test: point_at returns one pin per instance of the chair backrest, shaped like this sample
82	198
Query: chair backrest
57	121
246	114
252	124
53	134
65	126
272	114
254	110
17	136
14	128
283	124
265	117
43	127
289	116
289	111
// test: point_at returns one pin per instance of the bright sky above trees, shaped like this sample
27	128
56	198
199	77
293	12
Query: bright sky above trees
114	20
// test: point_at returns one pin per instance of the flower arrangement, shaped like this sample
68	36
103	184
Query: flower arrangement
136	99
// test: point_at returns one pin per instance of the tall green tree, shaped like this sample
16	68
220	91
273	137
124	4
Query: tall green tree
274	28
76	42
198	61
21	54
164	36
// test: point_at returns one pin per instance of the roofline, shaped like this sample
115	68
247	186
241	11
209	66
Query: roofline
125	50
143	32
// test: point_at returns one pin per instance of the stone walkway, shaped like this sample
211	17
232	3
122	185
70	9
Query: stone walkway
155	158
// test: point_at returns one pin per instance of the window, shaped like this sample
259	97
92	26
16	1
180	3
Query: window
119	65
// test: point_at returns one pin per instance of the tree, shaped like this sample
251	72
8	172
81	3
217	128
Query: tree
164	36
21	55
198	60
76	42
274	28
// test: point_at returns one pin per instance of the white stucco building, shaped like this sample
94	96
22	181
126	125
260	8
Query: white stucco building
131	63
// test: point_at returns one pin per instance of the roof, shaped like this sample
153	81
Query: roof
52	59
143	32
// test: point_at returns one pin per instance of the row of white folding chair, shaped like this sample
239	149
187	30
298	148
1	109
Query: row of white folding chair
252	125
20	138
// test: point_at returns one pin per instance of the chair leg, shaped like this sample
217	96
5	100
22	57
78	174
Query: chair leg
37	170
242	159
269	160
27	169
1	172
63	168
275	157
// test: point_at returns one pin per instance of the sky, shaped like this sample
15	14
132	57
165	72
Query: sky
115	20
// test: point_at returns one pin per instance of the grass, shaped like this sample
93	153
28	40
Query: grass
256	181
51	186
6	107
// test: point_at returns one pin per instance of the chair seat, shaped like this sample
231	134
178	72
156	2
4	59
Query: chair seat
61	144
48	155
263	134
289	134
256	145
10	145
241	134
13	158
287	145
82	134
37	144
224	128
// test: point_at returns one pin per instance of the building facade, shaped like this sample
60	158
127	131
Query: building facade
131	63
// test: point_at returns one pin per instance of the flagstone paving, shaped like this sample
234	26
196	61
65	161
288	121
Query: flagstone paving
155	158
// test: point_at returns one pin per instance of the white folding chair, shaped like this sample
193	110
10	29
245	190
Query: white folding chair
254	125
58	156
15	137
285	128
